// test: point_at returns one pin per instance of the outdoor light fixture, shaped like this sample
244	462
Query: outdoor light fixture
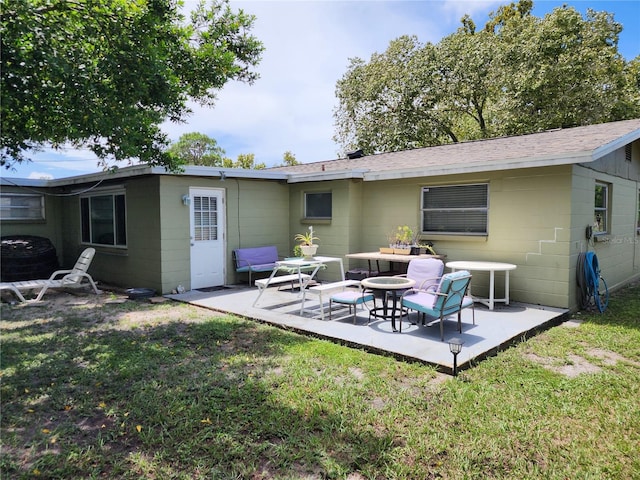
455	346
186	200
223	176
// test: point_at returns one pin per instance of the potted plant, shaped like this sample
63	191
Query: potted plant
405	239
307	247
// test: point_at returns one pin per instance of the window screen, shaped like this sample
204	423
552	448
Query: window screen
455	209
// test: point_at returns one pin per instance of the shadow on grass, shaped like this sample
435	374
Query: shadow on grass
85	395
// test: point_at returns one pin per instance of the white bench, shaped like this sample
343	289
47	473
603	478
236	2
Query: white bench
263	283
326	287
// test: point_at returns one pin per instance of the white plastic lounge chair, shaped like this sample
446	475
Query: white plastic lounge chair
70	279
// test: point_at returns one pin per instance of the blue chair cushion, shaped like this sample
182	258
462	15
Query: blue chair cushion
351	297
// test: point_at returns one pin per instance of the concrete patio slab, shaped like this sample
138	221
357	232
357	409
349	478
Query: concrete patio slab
492	332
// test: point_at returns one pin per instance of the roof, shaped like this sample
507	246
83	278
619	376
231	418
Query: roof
554	147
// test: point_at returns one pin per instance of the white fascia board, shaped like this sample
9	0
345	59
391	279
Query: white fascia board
23	182
326	176
616	144
201	171
138	170
460	168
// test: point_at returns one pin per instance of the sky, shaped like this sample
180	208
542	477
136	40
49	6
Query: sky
308	45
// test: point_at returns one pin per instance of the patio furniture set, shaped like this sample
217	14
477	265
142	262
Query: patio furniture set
425	288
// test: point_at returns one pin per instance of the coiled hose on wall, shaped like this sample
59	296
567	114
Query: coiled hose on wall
592	286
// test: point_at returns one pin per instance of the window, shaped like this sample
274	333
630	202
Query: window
104	219
317	205
455	209
205	218
17	206
601	210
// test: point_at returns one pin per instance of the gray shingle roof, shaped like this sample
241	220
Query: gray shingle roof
561	146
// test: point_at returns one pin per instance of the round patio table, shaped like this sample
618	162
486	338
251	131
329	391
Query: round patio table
392	285
492	268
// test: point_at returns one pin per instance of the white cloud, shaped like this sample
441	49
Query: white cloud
307	50
40	176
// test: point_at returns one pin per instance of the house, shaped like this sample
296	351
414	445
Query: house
535	200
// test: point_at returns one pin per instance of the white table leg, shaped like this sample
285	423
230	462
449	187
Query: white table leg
506	287
261	290
491	288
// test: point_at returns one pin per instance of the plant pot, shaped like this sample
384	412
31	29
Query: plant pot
308	250
402	251
386	250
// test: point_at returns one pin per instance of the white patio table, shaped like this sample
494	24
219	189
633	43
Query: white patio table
490	267
297	265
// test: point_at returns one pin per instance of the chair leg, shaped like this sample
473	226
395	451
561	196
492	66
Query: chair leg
41	294
441	328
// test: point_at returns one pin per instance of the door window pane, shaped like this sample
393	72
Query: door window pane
205	218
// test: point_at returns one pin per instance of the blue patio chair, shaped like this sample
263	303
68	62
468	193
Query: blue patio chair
352	298
448	298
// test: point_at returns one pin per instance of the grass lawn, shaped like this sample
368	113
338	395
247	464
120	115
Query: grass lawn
134	390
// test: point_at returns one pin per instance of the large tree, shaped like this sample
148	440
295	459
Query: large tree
198	149
517	75
104	74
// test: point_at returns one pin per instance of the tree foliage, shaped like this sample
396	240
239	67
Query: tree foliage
104	74
198	149
244	160
289	159
518	74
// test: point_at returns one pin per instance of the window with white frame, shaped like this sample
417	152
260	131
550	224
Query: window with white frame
19	206
317	205
103	218
455	209
601	208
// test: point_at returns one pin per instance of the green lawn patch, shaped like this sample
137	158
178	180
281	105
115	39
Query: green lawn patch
172	391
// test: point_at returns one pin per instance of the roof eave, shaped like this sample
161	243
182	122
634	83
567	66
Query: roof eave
616	144
326	176
512	164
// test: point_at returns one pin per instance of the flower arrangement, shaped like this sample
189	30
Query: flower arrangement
403	240
306	238
404	236
306	247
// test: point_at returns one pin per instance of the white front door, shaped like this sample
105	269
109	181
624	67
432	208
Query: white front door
207	237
